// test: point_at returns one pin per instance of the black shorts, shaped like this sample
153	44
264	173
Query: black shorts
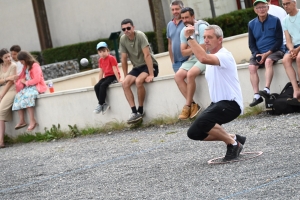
220	113
136	71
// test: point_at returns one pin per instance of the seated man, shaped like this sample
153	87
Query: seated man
191	68
266	45
134	45
291	26
224	90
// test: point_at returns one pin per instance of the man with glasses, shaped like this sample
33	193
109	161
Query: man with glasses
135	46
173	34
291	27
266	45
224	90
190	69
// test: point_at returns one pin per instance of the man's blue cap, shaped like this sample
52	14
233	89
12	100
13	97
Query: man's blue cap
101	44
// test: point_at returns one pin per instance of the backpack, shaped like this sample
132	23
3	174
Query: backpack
277	103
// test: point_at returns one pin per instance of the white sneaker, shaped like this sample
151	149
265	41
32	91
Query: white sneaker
98	109
105	107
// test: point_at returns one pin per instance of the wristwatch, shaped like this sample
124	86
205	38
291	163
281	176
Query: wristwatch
190	38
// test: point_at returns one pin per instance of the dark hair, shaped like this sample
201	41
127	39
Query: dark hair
103	48
2	53
126	21
28	58
15	48
187	9
177	3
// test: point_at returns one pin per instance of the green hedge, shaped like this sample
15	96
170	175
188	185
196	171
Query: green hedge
233	23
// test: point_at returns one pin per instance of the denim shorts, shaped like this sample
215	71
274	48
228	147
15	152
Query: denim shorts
287	51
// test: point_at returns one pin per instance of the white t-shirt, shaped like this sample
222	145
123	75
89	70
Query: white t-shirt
280	13
223	81
19	67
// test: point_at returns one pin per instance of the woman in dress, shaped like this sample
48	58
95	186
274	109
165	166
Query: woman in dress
29	84
8	72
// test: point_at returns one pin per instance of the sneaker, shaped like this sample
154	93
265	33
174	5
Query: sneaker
264	94
134	117
240	139
256	101
185	113
105	107
195	109
233	151
98	109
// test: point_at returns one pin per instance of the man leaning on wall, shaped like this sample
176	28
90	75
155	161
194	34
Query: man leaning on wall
266	45
173	34
291	27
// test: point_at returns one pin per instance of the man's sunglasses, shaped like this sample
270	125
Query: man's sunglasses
128	28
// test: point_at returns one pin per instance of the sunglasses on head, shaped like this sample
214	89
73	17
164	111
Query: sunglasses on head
128	28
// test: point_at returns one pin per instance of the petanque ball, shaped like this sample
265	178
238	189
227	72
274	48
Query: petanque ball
84	62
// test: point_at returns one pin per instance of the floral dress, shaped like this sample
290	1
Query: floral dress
26	97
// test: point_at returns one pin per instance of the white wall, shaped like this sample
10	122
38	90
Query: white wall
18	25
74	21
202	8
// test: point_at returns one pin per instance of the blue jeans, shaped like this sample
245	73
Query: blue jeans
177	65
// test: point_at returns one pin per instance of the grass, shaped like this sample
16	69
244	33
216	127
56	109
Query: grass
55	132
252	111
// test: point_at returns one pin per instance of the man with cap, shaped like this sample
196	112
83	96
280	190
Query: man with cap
266	45
135	46
174	28
108	74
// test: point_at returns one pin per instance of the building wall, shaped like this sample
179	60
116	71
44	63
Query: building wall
70	21
18	25
73	21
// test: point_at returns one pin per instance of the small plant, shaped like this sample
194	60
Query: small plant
252	111
74	132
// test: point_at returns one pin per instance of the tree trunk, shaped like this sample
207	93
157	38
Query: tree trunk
158	22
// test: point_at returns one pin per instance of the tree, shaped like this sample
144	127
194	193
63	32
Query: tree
159	23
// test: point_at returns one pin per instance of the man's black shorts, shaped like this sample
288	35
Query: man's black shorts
136	71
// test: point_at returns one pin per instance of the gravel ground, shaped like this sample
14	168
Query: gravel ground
157	163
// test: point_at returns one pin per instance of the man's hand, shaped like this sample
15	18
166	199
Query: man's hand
294	53
149	79
189	30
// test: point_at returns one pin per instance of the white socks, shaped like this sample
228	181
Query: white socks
256	96
267	90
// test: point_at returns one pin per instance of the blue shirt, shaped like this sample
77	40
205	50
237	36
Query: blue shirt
266	35
173	33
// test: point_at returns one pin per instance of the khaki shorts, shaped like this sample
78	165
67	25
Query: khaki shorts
187	65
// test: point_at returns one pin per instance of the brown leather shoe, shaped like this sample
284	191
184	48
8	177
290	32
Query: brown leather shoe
185	113
195	109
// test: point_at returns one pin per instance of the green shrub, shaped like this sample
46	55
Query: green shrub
233	23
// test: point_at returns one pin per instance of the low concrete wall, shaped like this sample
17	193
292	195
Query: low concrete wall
90	78
162	98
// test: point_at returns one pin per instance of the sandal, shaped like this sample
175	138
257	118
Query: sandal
20	126
31	128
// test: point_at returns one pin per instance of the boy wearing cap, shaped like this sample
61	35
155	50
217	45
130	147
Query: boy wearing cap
266	45
108	74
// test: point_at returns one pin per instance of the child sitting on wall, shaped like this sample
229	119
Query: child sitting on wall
108	74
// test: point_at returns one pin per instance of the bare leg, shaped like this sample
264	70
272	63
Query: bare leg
217	133
287	63
32	121
191	84
180	75
2	132
269	72
128	81
21	117
141	92
254	77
